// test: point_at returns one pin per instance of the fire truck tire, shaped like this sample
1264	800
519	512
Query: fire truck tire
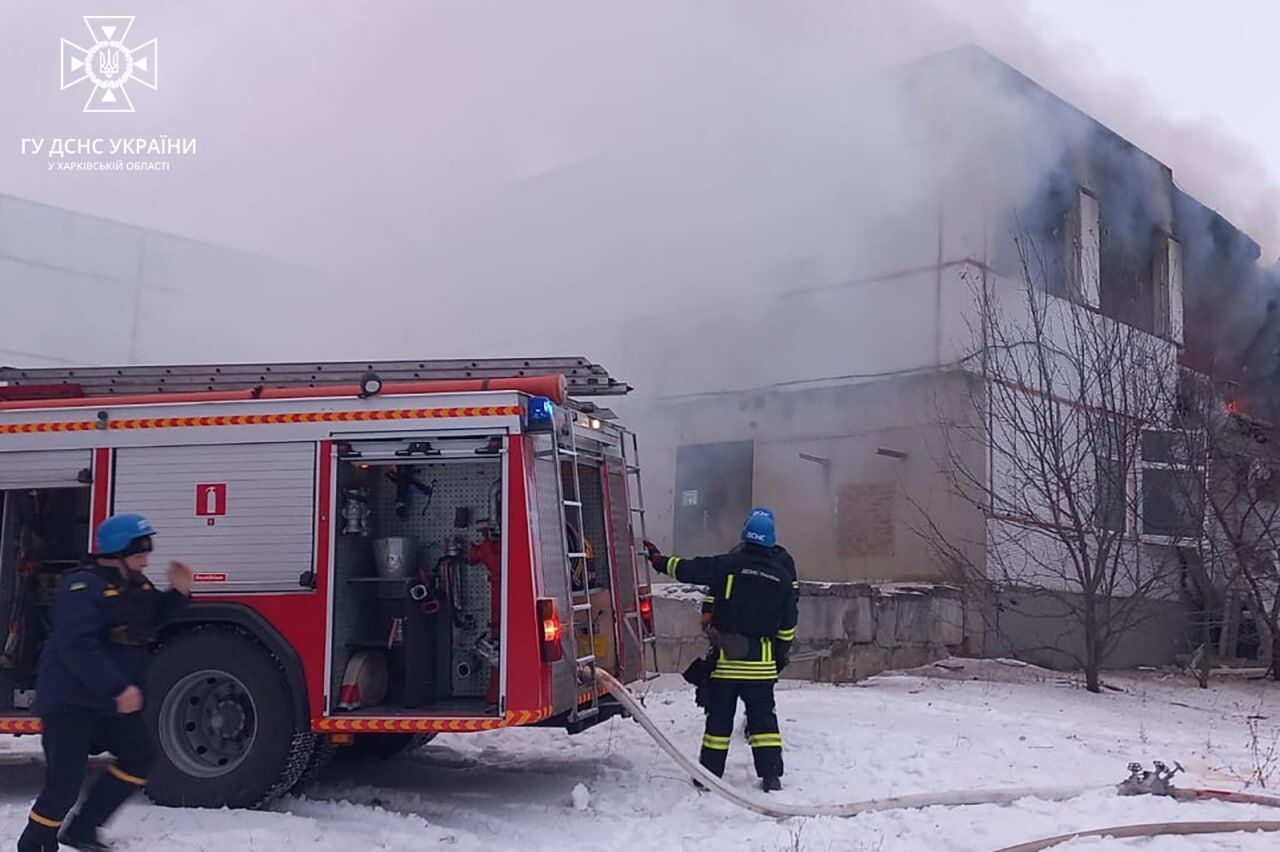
321	757
383	746
221	707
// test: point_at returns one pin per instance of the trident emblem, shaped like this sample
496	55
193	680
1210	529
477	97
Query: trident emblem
109	64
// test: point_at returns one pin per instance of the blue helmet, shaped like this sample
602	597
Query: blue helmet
117	533
759	528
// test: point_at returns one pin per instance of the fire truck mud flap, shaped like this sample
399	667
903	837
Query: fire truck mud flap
221	708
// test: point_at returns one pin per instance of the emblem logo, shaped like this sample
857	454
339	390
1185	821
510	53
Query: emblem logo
109	64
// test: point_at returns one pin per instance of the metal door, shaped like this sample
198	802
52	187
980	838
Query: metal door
713	495
243	515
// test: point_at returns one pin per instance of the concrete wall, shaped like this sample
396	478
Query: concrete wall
856	515
866	629
77	289
1034	626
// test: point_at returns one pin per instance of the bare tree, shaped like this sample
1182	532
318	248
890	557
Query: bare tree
1237	503
1060	398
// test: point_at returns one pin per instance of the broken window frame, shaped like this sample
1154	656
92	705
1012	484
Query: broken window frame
1187	454
1107	457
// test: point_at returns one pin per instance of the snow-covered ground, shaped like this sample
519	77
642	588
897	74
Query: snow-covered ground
987	725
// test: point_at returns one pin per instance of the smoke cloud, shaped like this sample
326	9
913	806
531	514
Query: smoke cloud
638	182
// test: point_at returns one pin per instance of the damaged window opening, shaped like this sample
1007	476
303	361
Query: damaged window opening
1112	477
1127	280
1255	476
1033	246
1173	482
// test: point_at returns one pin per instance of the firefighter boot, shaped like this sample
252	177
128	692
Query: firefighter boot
105	797
771	783
78	835
38	838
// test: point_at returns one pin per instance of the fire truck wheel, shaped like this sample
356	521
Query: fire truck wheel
383	746
221	708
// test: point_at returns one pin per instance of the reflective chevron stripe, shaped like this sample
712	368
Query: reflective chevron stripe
262	419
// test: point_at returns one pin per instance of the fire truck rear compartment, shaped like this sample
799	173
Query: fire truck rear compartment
42	531
417	556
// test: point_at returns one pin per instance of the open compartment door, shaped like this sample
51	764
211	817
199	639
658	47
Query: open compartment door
631	584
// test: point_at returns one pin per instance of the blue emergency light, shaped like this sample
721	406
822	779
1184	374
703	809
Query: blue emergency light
541	416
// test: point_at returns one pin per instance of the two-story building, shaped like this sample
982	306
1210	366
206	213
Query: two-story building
850	434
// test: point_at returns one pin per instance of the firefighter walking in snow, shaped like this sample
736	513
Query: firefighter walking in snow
89	688
753	623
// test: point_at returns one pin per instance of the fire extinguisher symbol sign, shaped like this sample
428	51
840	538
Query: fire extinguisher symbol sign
211	501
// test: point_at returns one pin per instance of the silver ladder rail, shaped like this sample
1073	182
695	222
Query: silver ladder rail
582	376
646	638
584	664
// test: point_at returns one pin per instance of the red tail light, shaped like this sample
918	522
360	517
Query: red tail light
552	630
646	613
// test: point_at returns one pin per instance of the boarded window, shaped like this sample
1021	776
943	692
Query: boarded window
865	518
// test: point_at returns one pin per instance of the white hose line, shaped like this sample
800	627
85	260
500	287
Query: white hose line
782	810
1206	795
1156	829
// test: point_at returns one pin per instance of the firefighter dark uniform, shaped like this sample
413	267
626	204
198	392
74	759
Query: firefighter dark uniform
103	624
752	625
699	673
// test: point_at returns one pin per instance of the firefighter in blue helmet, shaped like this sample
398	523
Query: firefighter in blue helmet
752	625
89	687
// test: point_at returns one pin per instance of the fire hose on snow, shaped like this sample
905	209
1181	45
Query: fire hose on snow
1138	783
782	810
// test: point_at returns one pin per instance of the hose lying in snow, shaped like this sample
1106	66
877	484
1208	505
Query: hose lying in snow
781	810
1152	830
1189	795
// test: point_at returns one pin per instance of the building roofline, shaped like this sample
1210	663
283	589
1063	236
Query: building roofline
978	57
145	231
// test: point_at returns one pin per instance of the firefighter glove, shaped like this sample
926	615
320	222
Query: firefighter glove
656	559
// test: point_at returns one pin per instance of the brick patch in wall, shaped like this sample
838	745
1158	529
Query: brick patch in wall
864	513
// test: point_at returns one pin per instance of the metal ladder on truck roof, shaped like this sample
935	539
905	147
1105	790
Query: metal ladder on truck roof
583	376
646	637
584	664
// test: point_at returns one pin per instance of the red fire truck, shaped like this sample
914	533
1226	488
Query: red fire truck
383	551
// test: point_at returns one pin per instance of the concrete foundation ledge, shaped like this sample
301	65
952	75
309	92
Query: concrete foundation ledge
859	629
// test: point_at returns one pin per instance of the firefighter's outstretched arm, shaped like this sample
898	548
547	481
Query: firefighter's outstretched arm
699	571
171	603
